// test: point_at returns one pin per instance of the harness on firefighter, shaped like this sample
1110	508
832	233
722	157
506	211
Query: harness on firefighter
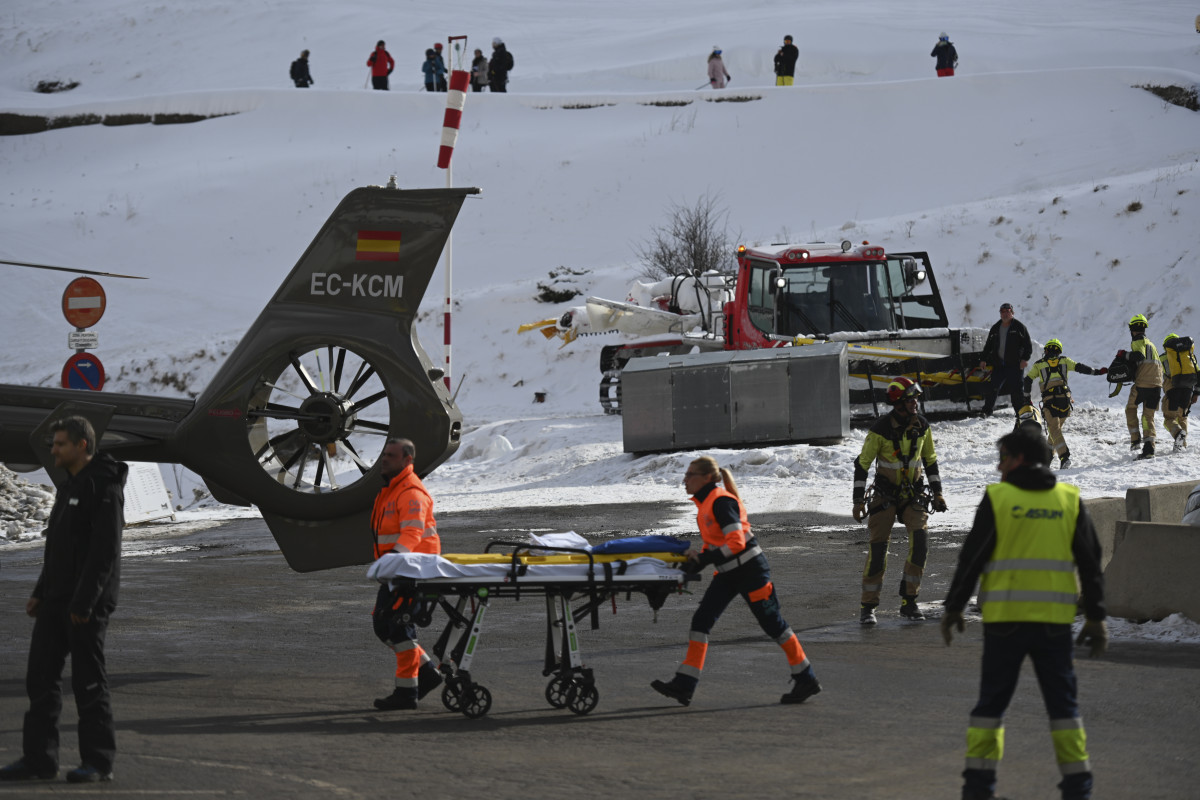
1056	395
907	491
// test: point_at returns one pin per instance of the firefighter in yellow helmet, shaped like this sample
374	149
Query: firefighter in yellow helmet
901	445
1030	536
1180	391
1147	386
1051	373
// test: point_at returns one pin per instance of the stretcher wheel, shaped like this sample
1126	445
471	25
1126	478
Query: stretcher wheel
582	697
452	694
477	703
556	691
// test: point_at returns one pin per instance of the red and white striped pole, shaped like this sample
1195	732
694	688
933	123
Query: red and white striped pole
456	98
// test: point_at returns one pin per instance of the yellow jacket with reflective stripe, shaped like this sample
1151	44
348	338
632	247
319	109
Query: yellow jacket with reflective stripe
1031	575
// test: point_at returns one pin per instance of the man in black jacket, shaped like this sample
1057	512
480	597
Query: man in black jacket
1007	351
74	597
785	63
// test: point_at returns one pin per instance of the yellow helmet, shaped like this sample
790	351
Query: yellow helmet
1053	348
1139	321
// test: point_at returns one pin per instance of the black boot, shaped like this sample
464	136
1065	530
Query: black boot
910	610
1147	450
673	689
398	700
428	678
806	685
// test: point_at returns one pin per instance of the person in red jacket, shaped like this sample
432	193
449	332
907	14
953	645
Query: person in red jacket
741	569
381	64
402	522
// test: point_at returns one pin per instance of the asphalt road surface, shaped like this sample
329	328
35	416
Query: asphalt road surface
234	676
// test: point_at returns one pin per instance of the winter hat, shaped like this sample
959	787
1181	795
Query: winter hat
787	38
437	45
429	53
497	41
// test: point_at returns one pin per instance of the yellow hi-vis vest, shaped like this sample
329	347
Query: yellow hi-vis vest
1031	576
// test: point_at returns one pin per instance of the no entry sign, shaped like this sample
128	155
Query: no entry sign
83	371
83	302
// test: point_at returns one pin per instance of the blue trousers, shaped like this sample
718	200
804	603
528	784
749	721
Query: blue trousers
1050	647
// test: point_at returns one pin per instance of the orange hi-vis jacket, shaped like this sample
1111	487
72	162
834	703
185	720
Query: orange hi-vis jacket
402	518
731	540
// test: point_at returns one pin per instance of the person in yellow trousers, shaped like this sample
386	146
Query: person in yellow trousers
741	569
1180	391
402	522
1147	386
1051	372
901	446
1030	536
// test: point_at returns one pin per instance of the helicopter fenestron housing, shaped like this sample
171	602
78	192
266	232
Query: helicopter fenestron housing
295	419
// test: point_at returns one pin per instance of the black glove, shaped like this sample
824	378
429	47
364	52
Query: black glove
951	619
1094	634
1120	354
860	511
939	503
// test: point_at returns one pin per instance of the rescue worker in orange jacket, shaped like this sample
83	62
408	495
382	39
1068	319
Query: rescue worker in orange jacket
741	568
402	521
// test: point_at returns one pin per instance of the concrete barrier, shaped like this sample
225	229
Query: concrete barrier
1152	573
1163	503
1106	512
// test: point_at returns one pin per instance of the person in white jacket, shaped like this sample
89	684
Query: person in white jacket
717	76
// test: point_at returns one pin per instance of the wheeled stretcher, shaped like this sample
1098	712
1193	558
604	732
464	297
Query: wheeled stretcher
561	575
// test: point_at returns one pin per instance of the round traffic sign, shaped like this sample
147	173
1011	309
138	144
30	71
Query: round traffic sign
83	371
83	302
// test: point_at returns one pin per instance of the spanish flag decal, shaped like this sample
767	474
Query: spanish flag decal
378	246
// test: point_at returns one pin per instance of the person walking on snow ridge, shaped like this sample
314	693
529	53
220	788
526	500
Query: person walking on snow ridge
717	76
1030	536
299	71
479	72
440	79
946	55
430	69
381	64
785	63
741	569
499	66
1051	371
402	522
901	445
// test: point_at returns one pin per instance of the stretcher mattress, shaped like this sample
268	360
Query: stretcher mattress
490	568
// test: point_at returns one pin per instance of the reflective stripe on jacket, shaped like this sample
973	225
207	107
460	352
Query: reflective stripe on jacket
730	540
1031	574
1051	376
1148	370
402	518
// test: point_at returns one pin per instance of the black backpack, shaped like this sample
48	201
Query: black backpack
508	60
1120	371
297	70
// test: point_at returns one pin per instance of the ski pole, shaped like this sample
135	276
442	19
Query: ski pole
698	88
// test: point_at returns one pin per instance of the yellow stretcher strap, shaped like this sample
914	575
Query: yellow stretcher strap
560	558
